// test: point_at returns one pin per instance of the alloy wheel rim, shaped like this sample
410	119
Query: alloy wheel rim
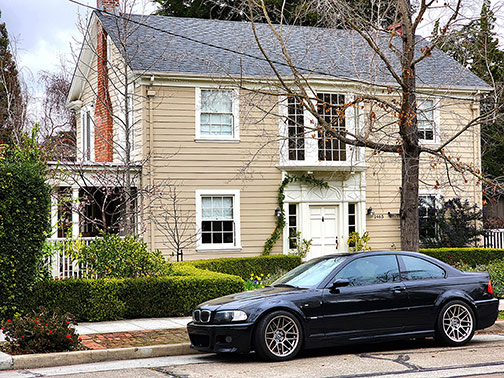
281	336
457	323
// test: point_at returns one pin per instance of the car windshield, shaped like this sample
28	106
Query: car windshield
310	274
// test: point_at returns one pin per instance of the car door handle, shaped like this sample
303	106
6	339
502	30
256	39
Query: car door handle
398	289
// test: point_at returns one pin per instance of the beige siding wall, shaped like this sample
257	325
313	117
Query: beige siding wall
384	174
189	165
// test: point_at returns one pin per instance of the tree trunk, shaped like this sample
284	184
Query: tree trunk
408	129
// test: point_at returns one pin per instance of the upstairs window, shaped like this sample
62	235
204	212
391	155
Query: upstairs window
295	126
331	108
216	114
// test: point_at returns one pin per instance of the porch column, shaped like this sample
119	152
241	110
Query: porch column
54	214
75	214
54	259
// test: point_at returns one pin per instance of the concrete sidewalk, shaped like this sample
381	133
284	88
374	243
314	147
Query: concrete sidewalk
131	325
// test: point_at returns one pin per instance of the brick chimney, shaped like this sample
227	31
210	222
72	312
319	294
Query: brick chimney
103	143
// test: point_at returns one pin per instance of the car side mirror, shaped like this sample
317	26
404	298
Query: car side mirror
340	282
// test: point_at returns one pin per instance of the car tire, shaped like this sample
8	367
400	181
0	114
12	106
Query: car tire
455	324
278	336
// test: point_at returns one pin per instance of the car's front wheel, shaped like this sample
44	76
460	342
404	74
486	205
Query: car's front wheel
456	324
278	336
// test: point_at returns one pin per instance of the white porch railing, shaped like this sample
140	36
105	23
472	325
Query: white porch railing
494	238
61	265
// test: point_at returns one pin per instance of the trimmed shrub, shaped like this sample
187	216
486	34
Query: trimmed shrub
111	299
86	299
192	283
246	266
24	221
469	256
114	257
41	332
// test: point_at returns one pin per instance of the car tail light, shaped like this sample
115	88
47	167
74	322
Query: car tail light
490	289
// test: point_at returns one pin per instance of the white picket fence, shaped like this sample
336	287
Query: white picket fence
494	238
62	266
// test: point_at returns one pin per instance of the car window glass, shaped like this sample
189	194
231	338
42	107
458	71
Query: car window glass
371	270
419	269
310	274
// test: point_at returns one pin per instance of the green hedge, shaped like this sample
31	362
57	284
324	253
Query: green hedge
469	256
112	299
193	282
245	266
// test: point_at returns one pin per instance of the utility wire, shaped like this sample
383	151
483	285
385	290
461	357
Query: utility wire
299	68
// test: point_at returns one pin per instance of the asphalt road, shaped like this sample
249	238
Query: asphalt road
483	357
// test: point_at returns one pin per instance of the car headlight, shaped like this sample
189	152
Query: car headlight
230	316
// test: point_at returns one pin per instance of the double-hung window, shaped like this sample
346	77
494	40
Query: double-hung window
218	218
216	114
427	205
331	108
295	128
426	121
87	133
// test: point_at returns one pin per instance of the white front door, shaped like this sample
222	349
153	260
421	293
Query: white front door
323	230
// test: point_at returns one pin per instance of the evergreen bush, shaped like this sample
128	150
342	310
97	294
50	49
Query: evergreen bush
24	221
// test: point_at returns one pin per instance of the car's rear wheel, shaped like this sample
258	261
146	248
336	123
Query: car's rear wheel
455	324
278	336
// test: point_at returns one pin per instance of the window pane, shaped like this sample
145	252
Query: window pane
228	226
206	226
217	238
418	269
206	238
371	270
228	237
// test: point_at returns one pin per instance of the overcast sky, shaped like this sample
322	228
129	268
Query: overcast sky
43	31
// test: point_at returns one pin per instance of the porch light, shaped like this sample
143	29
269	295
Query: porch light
278	212
370	211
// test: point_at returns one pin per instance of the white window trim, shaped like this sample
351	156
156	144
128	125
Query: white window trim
224	247
436	104
235	137
88	108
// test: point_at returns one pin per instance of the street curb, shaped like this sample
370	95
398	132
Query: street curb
5	361
31	361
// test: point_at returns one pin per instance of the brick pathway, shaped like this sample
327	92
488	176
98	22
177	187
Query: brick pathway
134	339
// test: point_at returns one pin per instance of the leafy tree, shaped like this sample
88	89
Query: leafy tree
12	102
452	225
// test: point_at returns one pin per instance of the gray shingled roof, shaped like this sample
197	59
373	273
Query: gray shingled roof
338	53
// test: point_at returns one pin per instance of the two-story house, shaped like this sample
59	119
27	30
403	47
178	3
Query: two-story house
193	102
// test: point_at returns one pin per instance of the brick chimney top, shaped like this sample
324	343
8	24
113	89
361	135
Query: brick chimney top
108	5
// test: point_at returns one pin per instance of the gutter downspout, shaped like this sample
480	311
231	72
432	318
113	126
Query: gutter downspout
150	95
